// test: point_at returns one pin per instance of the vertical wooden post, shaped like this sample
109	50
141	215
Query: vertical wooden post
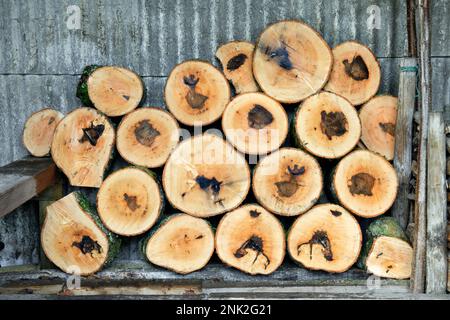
403	137
436	276
418	267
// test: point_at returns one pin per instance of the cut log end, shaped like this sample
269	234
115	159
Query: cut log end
255	123
291	61
251	239
38	131
365	183
82	146
287	182
327	125
182	244
196	93
129	201
378	118
236	59
326	238
147	136
356	73
205	176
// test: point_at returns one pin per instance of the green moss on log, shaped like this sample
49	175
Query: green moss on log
82	88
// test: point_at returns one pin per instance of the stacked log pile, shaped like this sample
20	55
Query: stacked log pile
325	172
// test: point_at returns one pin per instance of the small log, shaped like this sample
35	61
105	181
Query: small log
181	243
196	93
38	131
365	183
327	238
147	136
287	182
378	121
115	91
130	201
251	239
82	146
255	123
236	59
74	238
206	176
356	73
386	252
327	126
291	61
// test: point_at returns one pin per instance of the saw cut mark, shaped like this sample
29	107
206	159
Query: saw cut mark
362	184
145	133
254	243
92	133
236	62
259	117
388	128
193	98
131	202
321	238
333	124
289	188
87	245
357	69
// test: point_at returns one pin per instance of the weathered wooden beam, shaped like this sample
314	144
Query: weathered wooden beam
436	270
403	137
22	180
418	267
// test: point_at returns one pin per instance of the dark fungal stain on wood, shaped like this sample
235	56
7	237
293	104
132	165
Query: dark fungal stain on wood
126	97
333	124
254	243
87	245
388	128
131	202
259	117
92	133
336	213
362	184
379	255
289	188
199	237
389	267
280	55
145	133
193	98
51	120
208	184
357	69
296	170
236	62
321	238
254	213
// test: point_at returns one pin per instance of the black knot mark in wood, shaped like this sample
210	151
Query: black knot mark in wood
209	184
336	213
280	55
126	97
92	133
145	133
388	128
357	69
131	202
193	98
87	245
362	184
289	188
259	117
319	237
51	120
236	62
296	170
254	213
254	243
333	124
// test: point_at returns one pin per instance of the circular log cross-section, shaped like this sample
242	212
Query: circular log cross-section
129	201
287	182
196	93
378	117
147	136
181	243
291	61
236	59
356	73
73	238
115	91
38	131
206	176
82	146
326	238
327	126
251	239
255	123
365	183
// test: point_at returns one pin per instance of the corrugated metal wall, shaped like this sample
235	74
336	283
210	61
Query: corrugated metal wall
41	57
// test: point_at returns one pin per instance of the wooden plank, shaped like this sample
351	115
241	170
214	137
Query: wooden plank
22	180
403	137
418	267
436	268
